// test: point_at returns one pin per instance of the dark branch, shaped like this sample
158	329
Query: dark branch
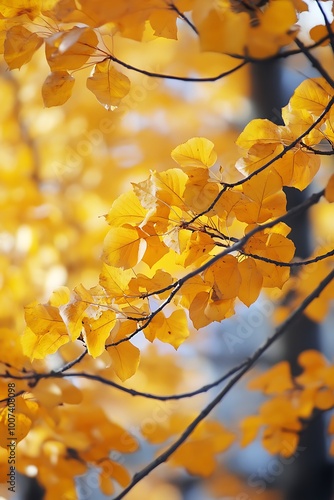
173	77
172	6
163	457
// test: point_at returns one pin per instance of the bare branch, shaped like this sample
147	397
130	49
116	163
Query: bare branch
163	457
174	77
172	6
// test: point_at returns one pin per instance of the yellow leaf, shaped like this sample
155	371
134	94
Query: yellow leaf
155	247
14	8
259	131
143	284
126	209
200	193
197	310
20	46
73	314
108	85
250	427
318	32
225	277
125	356
329	191
171	185
324	399
22	427
123	247
175	329
46	331
70	393
164	23
196	152
276	380
112	470
251	281
114	280
297	168
197	248
279	17
217	31
96	332
39	346
217	310
280	248
57	88
70	49
60	296
312	95
106	484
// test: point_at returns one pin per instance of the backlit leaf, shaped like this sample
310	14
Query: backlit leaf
123	247
20	45
108	85
196	152
96	332
57	88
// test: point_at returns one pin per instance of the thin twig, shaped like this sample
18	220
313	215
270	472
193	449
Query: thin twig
163	457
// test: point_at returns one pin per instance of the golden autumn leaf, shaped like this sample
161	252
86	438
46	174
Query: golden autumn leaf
108	85
71	49
125	359
279	17
250	427
251	281
312	95
45	332
126	209
96	332
163	23
197	248
112	470
225	277
196	152
124	356
217	31
123	247
318	32
259	131
172	330
22	427
329	191
20	45
276	380
60	296
115	280
14	8
57	88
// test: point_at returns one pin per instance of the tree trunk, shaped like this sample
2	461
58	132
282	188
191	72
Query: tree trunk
310	475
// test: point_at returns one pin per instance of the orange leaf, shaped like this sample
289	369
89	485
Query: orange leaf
329	191
251	281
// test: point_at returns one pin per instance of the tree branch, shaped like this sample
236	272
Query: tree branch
235	247
163	457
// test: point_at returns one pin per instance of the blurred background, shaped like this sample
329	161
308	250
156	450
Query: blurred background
60	170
